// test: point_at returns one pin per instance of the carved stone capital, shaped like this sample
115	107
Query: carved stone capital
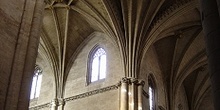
61	102
131	80
54	102
125	80
134	80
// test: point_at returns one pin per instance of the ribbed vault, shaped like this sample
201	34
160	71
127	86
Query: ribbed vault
172	26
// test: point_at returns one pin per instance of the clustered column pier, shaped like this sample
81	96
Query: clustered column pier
211	27
131	93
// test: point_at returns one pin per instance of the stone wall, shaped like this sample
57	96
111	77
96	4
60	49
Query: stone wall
181	102
150	65
18	44
102	101
78	92
9	25
47	91
76	82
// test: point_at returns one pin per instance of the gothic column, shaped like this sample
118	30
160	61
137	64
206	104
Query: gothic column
20	27
140	92
61	104
211	28
133	94
124	94
54	104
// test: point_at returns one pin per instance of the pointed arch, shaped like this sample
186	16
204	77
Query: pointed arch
96	64
36	82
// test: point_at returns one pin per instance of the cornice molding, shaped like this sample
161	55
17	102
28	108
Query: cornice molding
38	107
90	93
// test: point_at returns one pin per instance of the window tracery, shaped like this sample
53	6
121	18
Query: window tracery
97	65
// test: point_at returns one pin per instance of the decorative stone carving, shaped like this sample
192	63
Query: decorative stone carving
131	80
90	93
134	80
46	105
125	80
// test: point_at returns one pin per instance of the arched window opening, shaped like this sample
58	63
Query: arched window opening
97	65
151	91
36	82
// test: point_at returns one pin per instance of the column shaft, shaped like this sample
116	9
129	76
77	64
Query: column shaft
211	27
54	104
140	92
61	104
124	95
133	96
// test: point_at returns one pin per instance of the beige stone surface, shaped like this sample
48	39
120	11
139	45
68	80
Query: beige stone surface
162	38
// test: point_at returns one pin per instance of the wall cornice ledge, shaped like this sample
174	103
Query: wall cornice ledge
38	107
90	93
